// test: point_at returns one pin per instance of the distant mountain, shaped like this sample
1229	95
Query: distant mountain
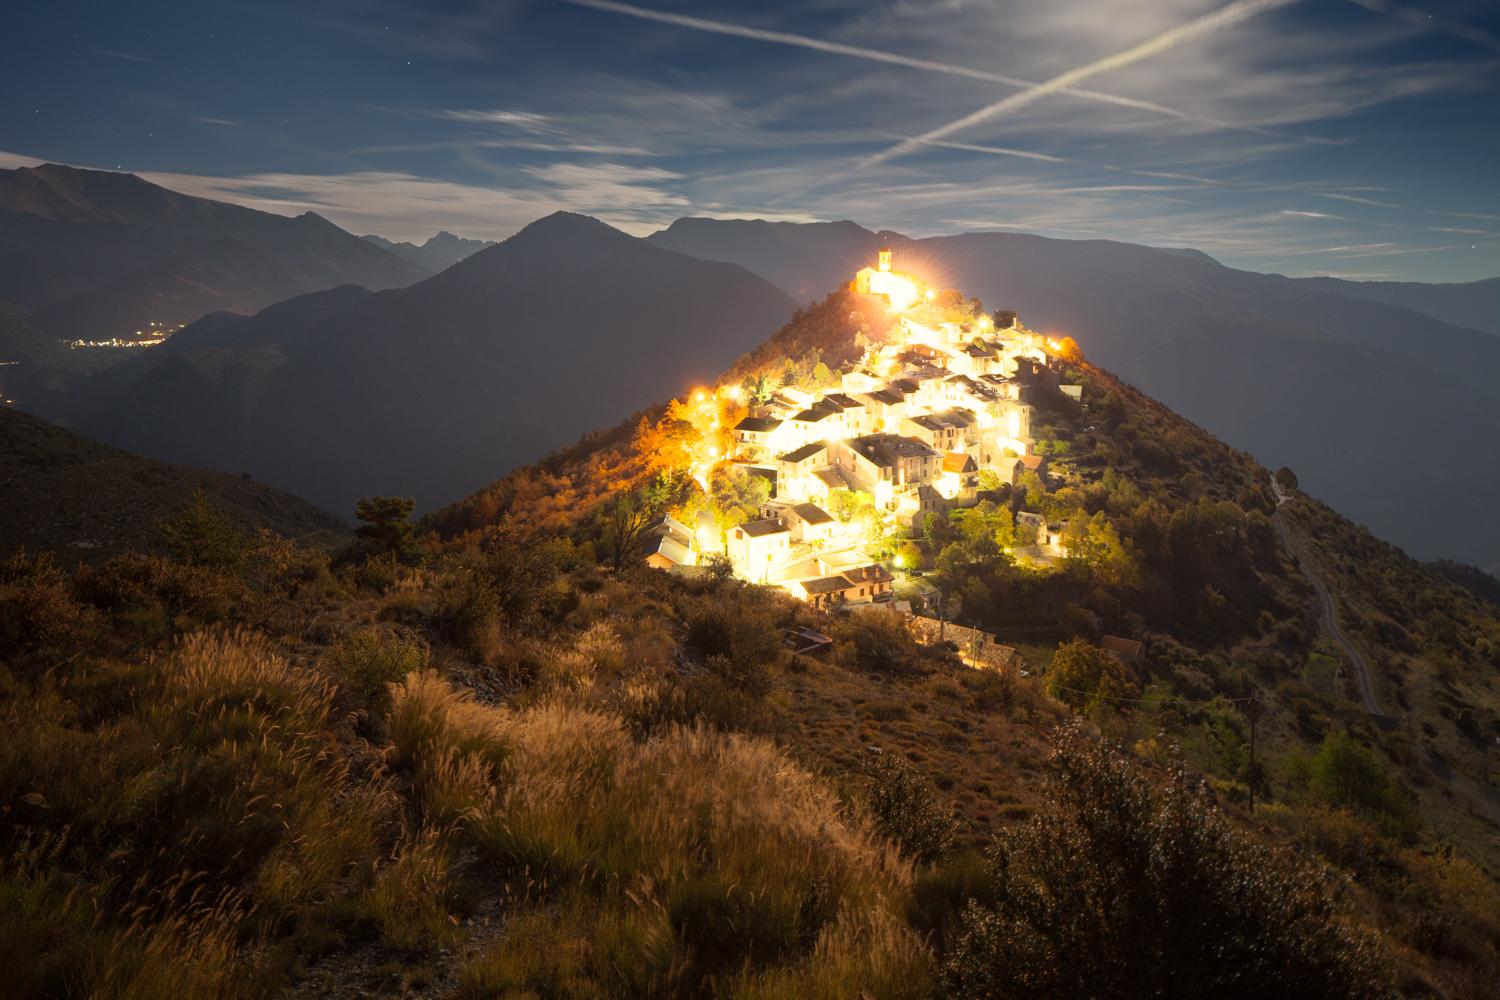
92	254
434	389
1472	304
439	253
1380	409
65	493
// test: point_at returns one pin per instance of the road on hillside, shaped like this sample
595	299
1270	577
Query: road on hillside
1359	668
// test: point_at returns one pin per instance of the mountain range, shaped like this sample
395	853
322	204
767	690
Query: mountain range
437	253
1381	408
431	390
1378	394
95	255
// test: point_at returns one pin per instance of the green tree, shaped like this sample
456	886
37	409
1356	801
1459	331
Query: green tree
1121	886
203	535
1345	774
385	524
1082	674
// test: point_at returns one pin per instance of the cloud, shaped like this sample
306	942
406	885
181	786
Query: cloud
1237	11
525	120
891	58
129	56
1310	215
1356	199
1430	22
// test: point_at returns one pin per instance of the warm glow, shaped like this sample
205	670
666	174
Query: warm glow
700	396
931	294
899	561
985	322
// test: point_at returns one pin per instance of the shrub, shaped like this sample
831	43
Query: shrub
908	809
371	660
1082	675
1345	774
1122	887
877	642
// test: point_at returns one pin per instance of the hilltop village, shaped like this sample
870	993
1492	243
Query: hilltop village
937	412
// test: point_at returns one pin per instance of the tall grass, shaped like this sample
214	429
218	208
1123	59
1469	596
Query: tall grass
693	860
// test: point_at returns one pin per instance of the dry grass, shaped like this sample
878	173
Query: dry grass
659	867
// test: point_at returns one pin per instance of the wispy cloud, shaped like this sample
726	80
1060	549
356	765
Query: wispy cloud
1235	12
1432	22
1356	199
897	59
525	120
127	56
208	120
1300	214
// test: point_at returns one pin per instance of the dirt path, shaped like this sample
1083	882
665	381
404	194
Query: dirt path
1359	668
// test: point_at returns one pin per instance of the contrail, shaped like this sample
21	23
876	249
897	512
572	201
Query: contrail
1235	12
1431	22
896	59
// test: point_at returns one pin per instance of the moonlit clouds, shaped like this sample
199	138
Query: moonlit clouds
394	118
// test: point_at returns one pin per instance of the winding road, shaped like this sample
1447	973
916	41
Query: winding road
1359	667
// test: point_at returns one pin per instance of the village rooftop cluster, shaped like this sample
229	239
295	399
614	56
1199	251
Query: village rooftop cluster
909	430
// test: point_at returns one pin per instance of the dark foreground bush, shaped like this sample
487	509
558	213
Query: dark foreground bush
1121	888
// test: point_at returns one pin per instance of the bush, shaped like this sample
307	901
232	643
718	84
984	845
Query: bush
908	809
1343	773
370	661
876	641
1123	887
1083	675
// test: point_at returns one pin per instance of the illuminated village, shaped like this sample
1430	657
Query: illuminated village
921	424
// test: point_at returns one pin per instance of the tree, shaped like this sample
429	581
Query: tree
1286	479
203	535
1082	674
384	524
1125	886
624	526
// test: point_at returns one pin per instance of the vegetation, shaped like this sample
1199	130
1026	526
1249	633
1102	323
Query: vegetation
493	755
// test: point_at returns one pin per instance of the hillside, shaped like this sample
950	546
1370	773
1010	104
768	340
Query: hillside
427	390
85	501
1334	386
94	255
504	758
1471	304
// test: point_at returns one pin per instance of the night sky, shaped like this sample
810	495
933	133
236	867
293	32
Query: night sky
1352	137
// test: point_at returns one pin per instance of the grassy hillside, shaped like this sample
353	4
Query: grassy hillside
486	761
67	494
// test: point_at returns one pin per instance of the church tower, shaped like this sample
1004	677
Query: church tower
885	259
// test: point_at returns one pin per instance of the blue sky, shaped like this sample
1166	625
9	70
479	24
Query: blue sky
1351	137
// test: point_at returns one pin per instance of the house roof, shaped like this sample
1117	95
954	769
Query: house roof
813	414
758	425
826	585
667	546
1128	649
869	574
763	527
885	449
956	461
842	401
812	513
1032	462
803	453
888	396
